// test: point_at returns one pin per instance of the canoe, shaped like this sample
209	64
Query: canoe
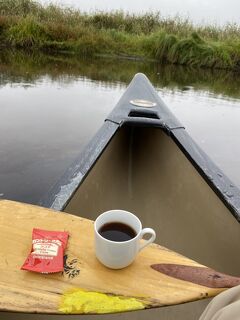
143	160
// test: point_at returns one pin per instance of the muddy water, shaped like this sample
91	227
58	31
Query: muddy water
51	106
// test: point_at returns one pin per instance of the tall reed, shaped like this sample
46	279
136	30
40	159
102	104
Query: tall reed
29	24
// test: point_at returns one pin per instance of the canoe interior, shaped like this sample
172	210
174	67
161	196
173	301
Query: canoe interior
143	170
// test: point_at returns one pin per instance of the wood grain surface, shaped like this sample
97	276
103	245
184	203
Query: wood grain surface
85	286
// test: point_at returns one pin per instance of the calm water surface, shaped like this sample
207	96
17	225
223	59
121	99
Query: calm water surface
51	107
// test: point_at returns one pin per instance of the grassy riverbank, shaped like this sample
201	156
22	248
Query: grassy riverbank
29	25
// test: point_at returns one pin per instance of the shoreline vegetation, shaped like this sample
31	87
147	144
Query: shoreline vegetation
27	24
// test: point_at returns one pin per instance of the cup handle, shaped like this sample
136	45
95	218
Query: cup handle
147	242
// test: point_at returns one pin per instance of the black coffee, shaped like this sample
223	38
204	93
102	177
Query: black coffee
117	231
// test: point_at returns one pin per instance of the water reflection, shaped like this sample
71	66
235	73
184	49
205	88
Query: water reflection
51	105
29	69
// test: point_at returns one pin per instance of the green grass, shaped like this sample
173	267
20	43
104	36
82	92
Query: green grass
30	25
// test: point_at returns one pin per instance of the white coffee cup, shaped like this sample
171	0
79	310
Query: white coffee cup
118	255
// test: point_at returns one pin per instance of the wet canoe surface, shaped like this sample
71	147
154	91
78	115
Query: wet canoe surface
158	277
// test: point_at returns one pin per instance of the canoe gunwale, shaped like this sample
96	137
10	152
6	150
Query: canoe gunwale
215	178
62	192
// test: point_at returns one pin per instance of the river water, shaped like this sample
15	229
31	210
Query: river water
51	106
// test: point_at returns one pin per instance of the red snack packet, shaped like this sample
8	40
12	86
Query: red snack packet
46	255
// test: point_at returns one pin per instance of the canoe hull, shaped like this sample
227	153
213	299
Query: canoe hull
159	116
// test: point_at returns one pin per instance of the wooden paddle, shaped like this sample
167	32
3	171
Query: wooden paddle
157	277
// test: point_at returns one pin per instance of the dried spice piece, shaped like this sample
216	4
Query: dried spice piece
47	251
